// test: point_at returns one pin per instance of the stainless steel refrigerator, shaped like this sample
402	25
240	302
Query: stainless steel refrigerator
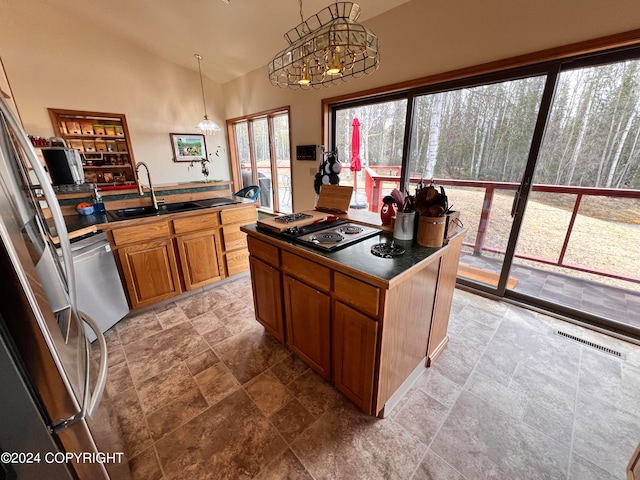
54	421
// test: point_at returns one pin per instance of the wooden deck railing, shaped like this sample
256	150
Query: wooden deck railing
379	181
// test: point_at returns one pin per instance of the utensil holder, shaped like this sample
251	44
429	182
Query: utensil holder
431	231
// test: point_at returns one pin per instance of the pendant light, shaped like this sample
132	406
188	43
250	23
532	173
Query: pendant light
205	126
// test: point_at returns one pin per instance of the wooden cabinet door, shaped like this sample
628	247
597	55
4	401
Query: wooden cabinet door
267	297
150	272
308	324
633	469
199	258
354	355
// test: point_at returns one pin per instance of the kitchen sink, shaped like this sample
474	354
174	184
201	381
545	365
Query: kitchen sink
133	212
178	207
148	210
216	202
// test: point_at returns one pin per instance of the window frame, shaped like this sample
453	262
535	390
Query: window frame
269	115
484	75
573	55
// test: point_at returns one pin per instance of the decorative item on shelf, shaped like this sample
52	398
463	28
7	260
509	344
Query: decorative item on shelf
87	128
38	142
206	126
326	49
73	128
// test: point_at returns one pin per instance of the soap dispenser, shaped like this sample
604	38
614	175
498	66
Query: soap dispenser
98	205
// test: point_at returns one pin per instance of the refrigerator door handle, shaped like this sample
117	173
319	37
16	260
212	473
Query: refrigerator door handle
101	380
60	425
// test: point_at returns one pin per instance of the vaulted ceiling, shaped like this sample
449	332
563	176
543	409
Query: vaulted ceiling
233	38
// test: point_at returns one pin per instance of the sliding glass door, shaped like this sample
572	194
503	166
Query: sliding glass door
580	241
476	142
543	164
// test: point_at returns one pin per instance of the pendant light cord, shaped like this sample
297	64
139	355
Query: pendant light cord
204	102
301	15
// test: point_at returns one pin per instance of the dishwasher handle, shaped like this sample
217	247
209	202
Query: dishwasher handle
101	380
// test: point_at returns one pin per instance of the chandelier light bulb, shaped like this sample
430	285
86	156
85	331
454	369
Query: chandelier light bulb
305	79
335	66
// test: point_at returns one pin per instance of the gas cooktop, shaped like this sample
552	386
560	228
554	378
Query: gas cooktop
331	235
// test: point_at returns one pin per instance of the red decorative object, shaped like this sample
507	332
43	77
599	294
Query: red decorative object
387	213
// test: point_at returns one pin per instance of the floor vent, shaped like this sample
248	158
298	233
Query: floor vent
610	351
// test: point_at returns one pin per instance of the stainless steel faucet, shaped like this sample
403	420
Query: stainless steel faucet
154	200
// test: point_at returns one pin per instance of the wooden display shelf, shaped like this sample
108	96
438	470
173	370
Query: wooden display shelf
87	127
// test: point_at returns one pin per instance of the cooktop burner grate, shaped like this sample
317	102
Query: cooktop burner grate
387	250
350	229
292	217
326	237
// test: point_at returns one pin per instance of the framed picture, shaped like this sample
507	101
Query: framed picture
188	147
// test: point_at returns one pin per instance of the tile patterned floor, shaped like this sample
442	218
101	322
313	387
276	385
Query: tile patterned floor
597	298
202	392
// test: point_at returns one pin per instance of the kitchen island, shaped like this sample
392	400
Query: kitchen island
367	324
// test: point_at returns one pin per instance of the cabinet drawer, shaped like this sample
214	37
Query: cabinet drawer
192	224
239	215
140	233
264	251
237	262
361	295
306	270
233	238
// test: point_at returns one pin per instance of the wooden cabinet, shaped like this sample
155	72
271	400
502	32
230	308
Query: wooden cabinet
184	251
308	320
104	142
150	272
199	258
235	252
267	297
354	343
633	469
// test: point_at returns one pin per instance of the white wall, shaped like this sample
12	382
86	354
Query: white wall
54	61
425	37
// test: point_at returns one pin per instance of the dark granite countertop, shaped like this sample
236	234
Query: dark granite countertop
358	255
80	225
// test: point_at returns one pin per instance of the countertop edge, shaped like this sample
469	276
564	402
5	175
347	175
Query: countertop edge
313	255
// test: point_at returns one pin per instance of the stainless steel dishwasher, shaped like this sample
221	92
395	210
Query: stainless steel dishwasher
99	289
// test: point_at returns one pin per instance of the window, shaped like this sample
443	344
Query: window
261	155
543	162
